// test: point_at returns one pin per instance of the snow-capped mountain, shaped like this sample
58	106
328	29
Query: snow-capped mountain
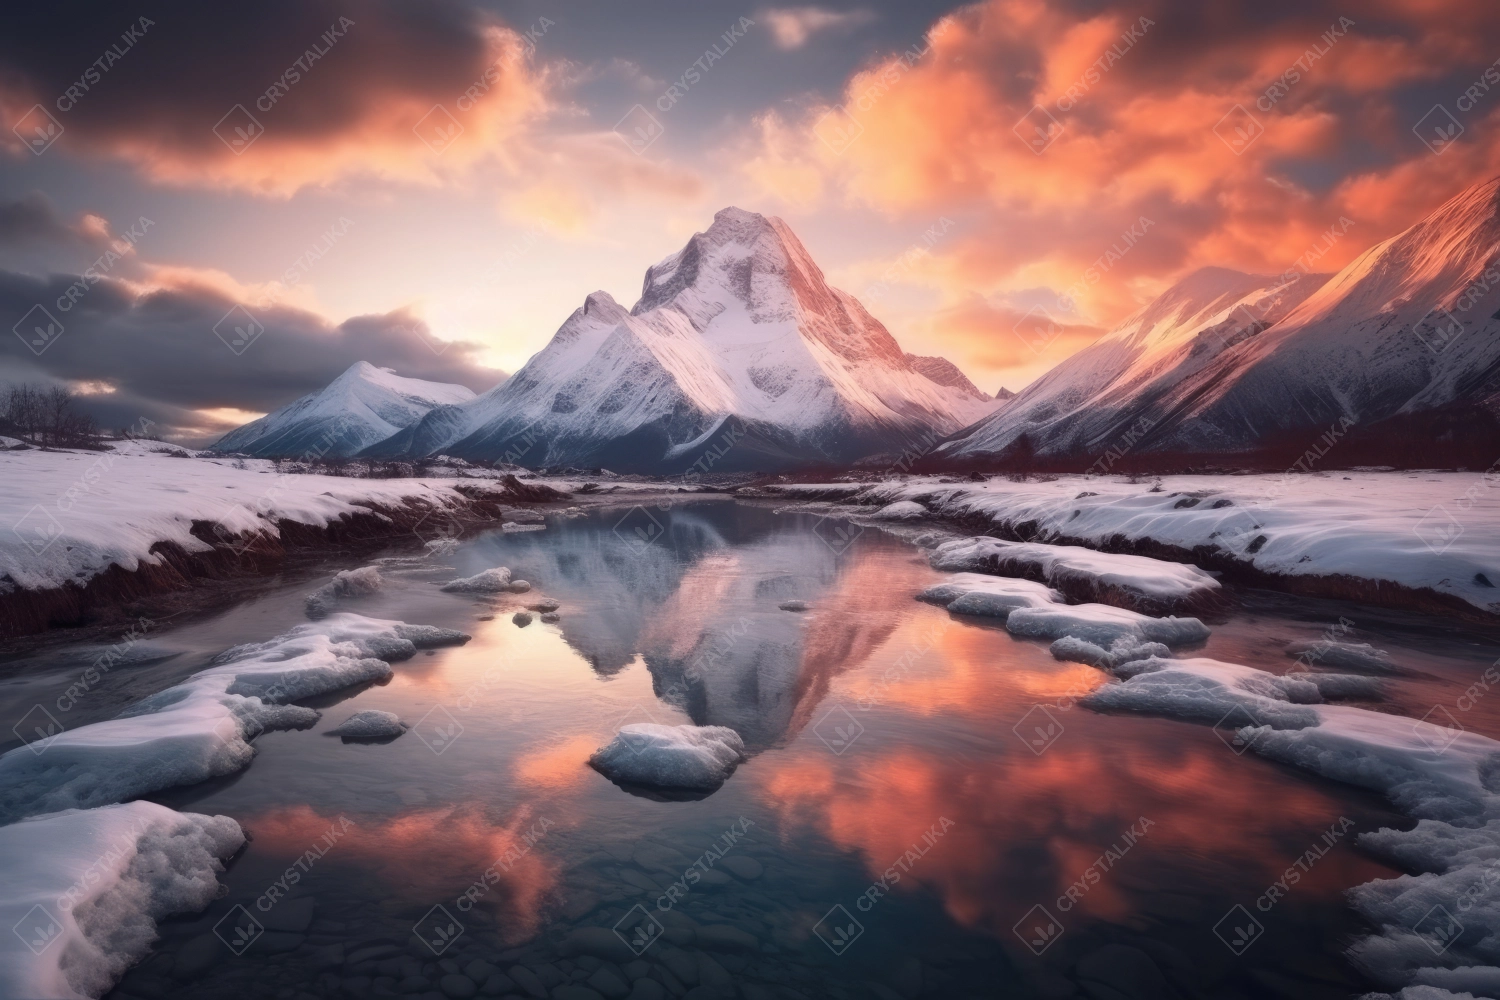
738	354
1398	352
1095	395
362	406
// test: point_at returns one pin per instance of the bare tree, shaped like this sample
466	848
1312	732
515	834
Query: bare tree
48	416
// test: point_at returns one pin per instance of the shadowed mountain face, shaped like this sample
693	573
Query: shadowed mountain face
1395	356
700	605
738	349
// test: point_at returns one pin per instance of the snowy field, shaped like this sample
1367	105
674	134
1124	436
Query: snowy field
69	515
1422	530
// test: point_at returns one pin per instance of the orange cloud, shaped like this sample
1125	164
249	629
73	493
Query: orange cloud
1136	108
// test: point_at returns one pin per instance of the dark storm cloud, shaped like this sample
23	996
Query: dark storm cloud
33	220
268	96
167	70
159	352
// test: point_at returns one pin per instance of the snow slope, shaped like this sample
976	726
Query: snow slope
362	406
737	345
1407	328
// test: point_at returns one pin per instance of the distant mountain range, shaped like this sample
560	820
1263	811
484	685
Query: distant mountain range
1394	360
740	357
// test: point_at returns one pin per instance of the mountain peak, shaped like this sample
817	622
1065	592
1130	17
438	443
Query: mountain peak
729	256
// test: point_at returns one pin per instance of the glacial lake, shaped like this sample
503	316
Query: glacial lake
918	784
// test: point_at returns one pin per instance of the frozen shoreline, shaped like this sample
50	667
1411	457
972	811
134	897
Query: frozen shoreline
1427	540
93	529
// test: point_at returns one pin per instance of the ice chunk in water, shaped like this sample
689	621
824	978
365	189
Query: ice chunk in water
491	581
345	583
992	596
1359	656
371	724
1126	649
1083	574
698	758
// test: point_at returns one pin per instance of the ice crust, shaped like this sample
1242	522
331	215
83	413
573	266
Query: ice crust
697	758
1103	625
994	596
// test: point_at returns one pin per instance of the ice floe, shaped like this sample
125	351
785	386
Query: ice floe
1200	689
1103	625
697	758
345	583
201	728
371	724
1083	574
491	581
85	888
1359	656
1125	649
994	596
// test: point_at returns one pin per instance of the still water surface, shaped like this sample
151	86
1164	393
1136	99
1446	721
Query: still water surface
888	833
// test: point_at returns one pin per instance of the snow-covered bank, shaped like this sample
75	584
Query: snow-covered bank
1429	540
201	728
84	889
91	528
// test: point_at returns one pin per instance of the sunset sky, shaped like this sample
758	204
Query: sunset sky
435	186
